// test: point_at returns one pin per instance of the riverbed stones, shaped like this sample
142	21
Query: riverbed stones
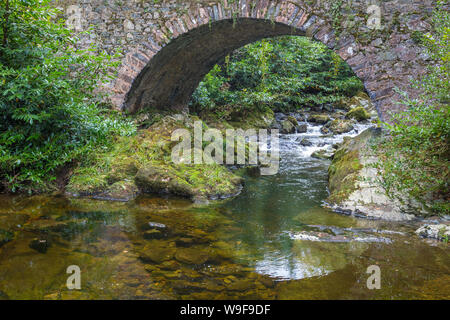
192	255
153	234
302	128
184	242
47	225
41	245
157	251
305	142
13	221
434	231
170	265
240	285
155	226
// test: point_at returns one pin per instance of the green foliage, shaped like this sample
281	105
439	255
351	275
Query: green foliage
285	73
415	157
49	103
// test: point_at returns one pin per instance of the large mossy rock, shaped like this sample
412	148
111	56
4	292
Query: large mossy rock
142	164
352	181
361	99
338	126
319	118
287	127
358	113
322	154
157	180
257	118
293	120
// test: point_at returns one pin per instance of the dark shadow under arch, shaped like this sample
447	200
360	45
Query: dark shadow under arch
172	75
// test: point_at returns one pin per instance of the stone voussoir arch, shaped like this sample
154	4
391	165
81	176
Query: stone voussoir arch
168	46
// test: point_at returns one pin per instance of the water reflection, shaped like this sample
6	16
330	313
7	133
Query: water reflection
243	248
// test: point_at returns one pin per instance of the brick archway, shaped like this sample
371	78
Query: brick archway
168	47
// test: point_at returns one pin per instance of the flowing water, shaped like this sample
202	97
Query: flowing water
274	241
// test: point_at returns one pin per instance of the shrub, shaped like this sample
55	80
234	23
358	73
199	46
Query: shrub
49	103
415	156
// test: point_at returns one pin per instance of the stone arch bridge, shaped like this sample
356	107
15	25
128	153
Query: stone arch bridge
168	46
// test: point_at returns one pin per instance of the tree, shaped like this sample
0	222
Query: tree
49	105
284	73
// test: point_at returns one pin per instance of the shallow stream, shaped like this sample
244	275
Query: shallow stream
273	241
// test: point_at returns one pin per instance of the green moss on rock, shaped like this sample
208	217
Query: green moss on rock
319	118
143	164
343	172
358	113
293	120
287	127
338	126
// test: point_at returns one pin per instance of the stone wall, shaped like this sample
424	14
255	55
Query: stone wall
168	46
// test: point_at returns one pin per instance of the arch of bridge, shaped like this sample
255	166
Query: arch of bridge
168	46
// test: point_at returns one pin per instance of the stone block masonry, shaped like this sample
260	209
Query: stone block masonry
168	46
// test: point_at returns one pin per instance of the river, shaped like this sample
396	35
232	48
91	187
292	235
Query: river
276	240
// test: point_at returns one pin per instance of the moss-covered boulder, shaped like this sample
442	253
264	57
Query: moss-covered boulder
337	126
287	127
361	99
257	118
343	172
158	180
342	104
358	113
192	255
302	128
322	154
142	164
352	181
319	118
293	120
